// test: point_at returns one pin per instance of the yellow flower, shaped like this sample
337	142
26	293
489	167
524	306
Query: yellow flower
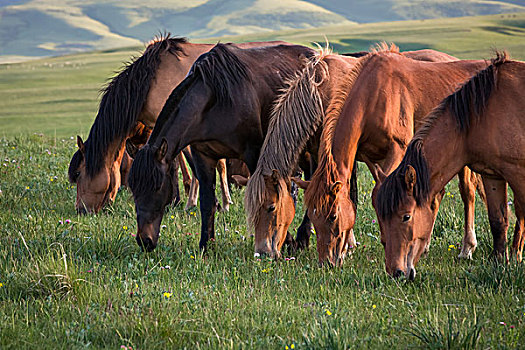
374	306
292	346
328	312
27	187
167	295
125	227
173	217
286	347
266	270
191	256
1	284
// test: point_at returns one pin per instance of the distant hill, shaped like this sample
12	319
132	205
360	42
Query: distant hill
50	27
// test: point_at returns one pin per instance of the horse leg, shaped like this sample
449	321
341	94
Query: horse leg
194	186
467	189
519	237
223	177
176	191
205	168
302	240
186	177
496	192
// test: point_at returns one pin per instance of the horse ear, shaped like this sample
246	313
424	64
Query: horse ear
275	176
162	150
302	184
410	179
336	187
240	180
80	144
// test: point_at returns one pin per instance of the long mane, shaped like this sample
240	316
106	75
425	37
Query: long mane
122	100
326	173
465	105
220	69
296	115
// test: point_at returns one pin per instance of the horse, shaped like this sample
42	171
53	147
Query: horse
388	97
132	99
268	208
222	109
479	125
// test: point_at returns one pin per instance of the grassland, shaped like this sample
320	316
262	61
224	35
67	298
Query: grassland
77	282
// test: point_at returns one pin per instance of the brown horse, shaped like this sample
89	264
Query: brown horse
389	97
222	109
270	210
136	95
480	125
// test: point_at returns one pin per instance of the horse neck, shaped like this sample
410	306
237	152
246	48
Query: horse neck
444	149
171	71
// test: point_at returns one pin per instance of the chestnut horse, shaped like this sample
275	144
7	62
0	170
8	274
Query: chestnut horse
134	97
222	109
269	210
389	97
480	125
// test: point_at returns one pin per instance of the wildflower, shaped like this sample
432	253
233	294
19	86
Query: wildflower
328	312
290	258
374	306
292	346
163	226
167	295
90	271
60	222
1	284
192	257
503	323
450	247
173	217
512	327
51	179
167	267
125	227
373	221
68	221
27	187
192	213
266	270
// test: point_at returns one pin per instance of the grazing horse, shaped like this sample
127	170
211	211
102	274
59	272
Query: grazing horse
388	97
222	110
480	125
271	210
132	99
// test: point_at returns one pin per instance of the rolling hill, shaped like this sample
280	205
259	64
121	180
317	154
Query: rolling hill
35	28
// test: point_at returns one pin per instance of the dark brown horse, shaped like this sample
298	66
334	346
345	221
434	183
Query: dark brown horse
480	125
295	120
132	98
389	97
222	109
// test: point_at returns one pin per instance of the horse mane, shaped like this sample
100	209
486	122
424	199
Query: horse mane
123	99
145	175
469	101
220	70
296	115
326	173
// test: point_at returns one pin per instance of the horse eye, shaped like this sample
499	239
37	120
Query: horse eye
332	217
271	208
406	217
77	174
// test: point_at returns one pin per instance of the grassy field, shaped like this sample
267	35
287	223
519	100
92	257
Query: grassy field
76	282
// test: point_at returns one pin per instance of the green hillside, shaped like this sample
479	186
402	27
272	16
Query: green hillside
33	28
59	95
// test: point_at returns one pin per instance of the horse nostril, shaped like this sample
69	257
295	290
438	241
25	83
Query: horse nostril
145	243
412	274
399	273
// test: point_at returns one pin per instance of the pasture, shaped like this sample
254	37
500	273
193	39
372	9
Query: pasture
72	282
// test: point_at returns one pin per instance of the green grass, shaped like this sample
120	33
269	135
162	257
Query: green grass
85	283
